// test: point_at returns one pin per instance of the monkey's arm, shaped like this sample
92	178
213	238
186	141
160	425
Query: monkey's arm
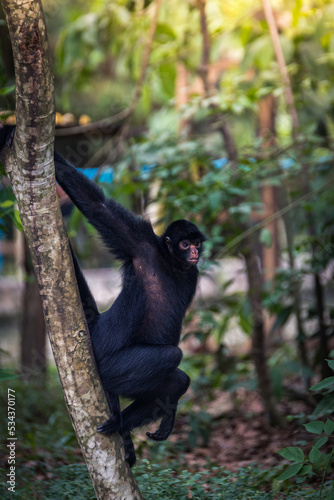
123	232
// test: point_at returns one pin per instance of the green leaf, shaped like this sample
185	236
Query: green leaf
7	374
290	471
320	442
7	90
243	208
17	221
315	456
324	384
164	33
266	237
325	406
329	426
306	469
292	453
245	324
330	363
215	201
315	427
260	52
168	76
282	317
7	204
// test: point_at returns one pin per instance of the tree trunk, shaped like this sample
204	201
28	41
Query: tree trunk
258	334
29	165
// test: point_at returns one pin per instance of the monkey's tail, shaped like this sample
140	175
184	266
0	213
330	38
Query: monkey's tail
87	299
6	135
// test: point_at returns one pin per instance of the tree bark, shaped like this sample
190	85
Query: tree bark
29	165
258	334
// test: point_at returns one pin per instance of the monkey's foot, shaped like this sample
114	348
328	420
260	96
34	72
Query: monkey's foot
111	426
165	428
129	450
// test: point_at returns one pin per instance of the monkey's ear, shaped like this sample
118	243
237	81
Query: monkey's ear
168	242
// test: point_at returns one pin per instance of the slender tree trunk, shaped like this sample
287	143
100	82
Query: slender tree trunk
29	165
203	70
301	336
282	66
267	130
231	148
258	335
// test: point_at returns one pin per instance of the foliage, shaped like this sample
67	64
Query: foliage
101	42
325	388
49	460
157	482
317	462
9	212
7	374
73	481
191	180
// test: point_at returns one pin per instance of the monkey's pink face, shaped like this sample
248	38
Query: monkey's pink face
191	249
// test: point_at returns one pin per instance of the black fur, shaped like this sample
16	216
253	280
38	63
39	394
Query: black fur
6	135
136	341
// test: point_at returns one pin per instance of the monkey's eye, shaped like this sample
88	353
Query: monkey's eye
198	244
184	245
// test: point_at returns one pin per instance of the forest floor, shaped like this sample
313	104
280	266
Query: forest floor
243	436
227	430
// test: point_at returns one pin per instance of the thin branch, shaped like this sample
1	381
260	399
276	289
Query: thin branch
274	216
282	65
126	113
204	66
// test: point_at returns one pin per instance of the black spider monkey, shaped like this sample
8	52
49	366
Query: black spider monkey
136	341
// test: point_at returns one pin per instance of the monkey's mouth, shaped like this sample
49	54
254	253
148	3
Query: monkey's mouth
193	261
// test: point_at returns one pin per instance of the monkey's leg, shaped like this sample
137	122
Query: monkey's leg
178	384
136	372
161	404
